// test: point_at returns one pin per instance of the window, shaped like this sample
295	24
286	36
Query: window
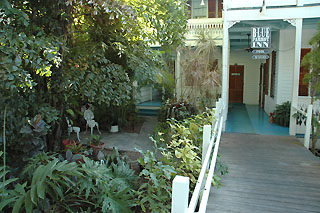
198	10
303	88
210	9
273	73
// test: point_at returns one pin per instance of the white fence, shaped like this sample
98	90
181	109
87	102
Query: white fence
180	186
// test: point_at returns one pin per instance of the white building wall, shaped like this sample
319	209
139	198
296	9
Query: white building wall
270	102
285	62
251	75
285	65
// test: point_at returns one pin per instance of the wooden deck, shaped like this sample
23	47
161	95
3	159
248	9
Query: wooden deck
266	174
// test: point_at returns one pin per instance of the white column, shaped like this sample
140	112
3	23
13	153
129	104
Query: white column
296	72
180	194
205	140
308	127
225	63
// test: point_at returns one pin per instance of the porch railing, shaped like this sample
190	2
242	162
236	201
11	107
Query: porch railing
268	3
180	186
211	26
308	114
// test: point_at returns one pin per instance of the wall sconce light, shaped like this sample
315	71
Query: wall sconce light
263	8
202	3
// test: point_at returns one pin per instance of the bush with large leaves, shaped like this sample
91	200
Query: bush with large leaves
61	186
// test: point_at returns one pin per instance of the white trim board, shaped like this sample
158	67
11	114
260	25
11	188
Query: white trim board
274	13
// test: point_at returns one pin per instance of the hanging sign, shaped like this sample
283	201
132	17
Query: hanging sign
266	51
260	37
260	57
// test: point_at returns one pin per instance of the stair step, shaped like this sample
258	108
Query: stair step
151	112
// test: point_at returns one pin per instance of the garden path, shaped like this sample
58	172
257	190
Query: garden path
129	141
266	174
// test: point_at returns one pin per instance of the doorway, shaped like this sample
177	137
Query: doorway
264	82
236	80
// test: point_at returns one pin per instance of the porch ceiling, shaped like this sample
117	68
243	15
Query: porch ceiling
238	33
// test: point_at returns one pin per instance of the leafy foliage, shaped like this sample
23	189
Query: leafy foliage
180	146
26	58
60	55
281	115
200	74
4	191
57	185
154	195
176	110
183	144
312	61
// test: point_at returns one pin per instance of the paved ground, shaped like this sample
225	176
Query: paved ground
266	174
252	119
129	141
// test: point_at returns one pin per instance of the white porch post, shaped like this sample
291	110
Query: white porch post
205	140
180	194
308	127
295	83
225	63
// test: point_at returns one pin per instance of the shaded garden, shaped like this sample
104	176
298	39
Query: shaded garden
60	56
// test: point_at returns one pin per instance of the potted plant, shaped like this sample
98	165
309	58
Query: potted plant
95	142
114	120
281	115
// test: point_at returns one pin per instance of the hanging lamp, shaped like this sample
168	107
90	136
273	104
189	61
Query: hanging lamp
202	3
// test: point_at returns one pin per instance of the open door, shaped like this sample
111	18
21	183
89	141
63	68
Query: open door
236	80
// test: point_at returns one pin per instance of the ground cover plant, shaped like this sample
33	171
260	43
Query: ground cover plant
52	184
179	144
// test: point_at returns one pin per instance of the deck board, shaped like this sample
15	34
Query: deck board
266	174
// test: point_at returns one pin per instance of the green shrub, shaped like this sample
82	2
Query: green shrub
281	115
62	186
177	110
180	147
154	194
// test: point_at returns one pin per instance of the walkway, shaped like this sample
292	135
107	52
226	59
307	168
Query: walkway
252	119
129	141
266	174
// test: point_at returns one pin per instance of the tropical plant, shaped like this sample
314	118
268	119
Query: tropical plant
312	61
281	115
48	187
41	158
5	192
95	139
34	136
60	185
200	73
63	54
179	110
154	194
180	147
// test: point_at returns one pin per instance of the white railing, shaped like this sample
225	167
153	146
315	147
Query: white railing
269	3
211	26
180	186
308	114
258	3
